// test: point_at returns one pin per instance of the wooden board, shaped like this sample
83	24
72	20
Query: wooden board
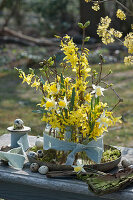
18	185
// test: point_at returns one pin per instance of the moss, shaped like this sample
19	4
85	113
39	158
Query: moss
59	157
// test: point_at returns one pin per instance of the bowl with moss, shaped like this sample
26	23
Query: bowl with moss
55	160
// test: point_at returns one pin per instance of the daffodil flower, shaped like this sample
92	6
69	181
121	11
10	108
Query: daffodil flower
78	168
63	103
50	104
98	91
103	120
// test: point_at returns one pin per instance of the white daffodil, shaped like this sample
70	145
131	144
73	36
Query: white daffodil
63	103
78	168
98	91
50	103
103	120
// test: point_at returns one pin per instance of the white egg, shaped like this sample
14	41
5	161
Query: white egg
39	142
43	169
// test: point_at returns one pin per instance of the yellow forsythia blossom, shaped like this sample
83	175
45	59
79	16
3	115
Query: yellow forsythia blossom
70	51
35	84
27	78
53	89
120	14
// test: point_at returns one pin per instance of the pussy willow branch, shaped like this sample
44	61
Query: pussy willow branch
119	98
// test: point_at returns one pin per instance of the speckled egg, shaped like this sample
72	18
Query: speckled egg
125	163
32	154
18	124
34	167
43	169
40	154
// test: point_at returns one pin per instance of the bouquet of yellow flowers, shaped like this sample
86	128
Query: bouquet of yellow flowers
72	105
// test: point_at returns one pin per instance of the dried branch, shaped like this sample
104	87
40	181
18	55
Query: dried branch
40	42
130	12
106	75
47	76
120	100
41	87
101	67
83	40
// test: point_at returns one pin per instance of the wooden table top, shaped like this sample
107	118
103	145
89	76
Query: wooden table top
27	178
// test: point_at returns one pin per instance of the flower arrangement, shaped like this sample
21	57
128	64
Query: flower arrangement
73	104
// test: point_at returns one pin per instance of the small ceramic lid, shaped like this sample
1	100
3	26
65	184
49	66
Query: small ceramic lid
24	129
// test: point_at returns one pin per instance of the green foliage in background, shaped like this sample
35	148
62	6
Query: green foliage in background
57	16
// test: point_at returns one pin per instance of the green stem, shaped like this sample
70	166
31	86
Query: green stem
83	41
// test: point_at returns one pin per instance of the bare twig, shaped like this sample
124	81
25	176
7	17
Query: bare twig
106	75
55	64
83	40
120	100
41	87
115	37
92	78
119	3
130	12
101	67
115	105
47	76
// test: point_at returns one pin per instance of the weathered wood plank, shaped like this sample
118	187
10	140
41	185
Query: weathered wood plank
25	184
22	192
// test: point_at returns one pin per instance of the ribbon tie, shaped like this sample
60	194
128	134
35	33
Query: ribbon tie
93	149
